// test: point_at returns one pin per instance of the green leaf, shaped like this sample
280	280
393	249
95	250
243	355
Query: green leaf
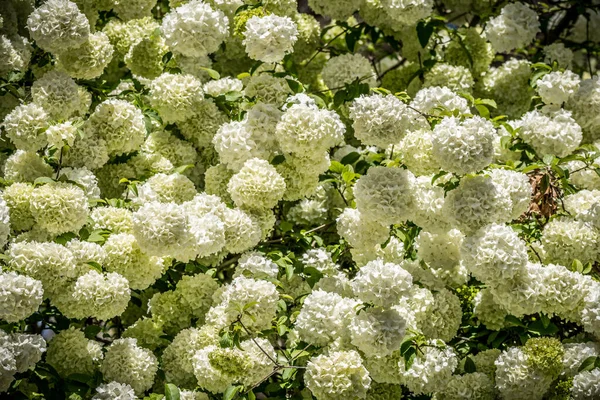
339	98
231	392
225	340
588	364
336	167
487	102
278	159
285	226
482	110
470	365
212	73
43	180
171	392
424	32
95	265
577	265
545	321
295	85
350	158
289	272
183	168
514	320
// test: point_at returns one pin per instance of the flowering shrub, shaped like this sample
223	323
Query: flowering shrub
322	199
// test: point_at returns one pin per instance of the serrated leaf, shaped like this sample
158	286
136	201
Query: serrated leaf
171	392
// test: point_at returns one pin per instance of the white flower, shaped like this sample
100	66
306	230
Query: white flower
382	284
586	385
557	87
383	120
175	96
114	391
360	231
257	185
559	53
517	379
385	195
335	8
69	352
379	332
585	105
431	370
515	27
195	29
337	375
20	296
345	69
59	207
556	134
58	25
125	362
25	126
88	60
564	240
517	185
407	11
427	99
463	147
223	86
103	296
57	94
270	38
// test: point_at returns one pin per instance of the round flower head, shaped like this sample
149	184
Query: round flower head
585	106
586	385
345	69
195	29
177	357
114	391
556	134
565	240
59	207
83	177
26	166
382	120
89	151
385	195
428	99
439	250
69	352
335	9
463	147
268	89
443	317
305	130
104	296
172	188
494	253
382	284
416	152
57	94
17	197
196	293
469	386
61	134
557	87
429	207
223	86
27	349
178	152
509	86
135	9
25	126
257	185
16	54
472	51
20	296
340	374
516	378
256	265
515	27
407	12
575	354
124	256
270	38
145	58
557	52
488	312
88	60
58	25
126	362
116	220
379	332
175	96
517	185
360	231
431	370
453	77
325	317
217	368
120	124
476	202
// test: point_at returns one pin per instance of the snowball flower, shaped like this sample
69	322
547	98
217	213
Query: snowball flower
556	134
517	185
345	69
59	207
270	38
515	27
463	147
257	185
114	391
381	283
383	120
385	195
57	94
428	99
20	296
557	87
337	375
360	231
407	12
379	332
195	29
103	296
175	96
25	126
89	59
58	25
431	370
69	352
586	385
125	362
